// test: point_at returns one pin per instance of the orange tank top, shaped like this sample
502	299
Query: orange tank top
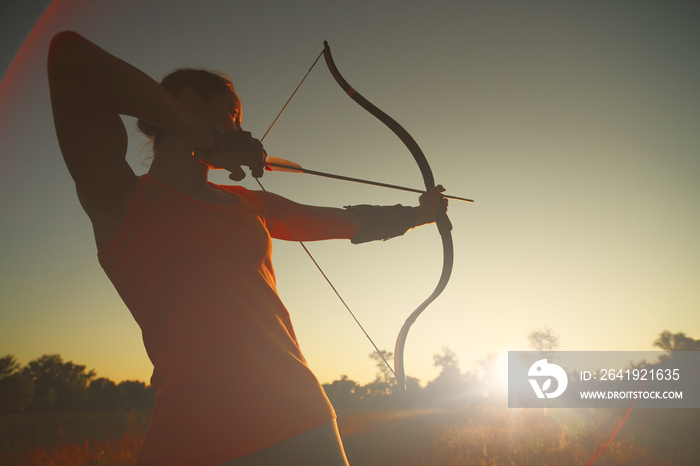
228	374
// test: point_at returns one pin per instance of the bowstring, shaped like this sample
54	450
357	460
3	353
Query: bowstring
290	97
301	242
328	280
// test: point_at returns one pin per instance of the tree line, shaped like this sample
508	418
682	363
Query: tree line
486	384
50	384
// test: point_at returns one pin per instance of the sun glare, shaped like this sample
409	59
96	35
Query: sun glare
502	371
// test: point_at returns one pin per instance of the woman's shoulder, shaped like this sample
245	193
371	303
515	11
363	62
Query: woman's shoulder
256	198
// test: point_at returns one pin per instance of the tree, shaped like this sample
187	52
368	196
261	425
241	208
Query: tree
447	360
450	385
384	375
104	395
8	366
343	392
136	394
384	385
678	347
58	385
16	389
676	342
543	339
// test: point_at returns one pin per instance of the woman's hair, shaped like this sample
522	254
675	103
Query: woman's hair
207	84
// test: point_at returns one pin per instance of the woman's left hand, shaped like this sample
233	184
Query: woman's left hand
431	204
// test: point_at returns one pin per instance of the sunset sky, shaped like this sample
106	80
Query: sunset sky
574	125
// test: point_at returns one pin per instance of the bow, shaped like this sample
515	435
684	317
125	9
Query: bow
443	223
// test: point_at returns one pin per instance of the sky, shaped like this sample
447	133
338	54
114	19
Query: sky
574	125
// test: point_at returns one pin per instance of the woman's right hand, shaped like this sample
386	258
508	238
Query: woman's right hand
233	149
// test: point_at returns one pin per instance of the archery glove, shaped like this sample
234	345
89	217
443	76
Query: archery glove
233	149
382	222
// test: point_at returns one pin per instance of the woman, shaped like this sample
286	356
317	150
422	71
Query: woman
192	260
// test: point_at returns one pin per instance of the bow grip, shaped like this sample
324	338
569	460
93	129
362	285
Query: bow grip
443	223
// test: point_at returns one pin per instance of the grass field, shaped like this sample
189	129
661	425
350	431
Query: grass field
480	435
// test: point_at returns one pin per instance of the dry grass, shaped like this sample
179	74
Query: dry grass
122	451
66	439
501	436
484	435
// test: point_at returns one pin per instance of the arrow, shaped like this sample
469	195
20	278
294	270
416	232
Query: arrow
282	165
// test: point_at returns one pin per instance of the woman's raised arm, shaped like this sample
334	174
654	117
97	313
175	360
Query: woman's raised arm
90	88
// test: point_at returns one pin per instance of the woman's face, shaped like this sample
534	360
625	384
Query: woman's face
222	110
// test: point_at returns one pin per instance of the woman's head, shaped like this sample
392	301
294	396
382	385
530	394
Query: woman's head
206	84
